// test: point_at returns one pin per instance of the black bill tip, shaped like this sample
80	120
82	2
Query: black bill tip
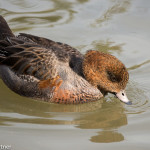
129	103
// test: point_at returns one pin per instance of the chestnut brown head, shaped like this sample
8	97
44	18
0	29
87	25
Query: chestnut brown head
107	73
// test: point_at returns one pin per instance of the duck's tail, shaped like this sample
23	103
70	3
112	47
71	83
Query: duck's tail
5	31
5	35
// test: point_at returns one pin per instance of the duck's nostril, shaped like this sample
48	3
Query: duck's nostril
122	94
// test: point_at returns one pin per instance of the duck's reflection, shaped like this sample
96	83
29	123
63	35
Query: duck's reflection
107	137
104	116
109	118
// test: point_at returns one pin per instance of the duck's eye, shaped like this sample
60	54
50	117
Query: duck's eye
111	76
113	79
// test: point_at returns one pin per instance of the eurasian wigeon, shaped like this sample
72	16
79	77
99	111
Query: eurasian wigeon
40	68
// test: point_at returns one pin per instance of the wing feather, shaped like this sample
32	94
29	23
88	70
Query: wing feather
29	59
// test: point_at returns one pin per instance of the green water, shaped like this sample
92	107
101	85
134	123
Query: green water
119	27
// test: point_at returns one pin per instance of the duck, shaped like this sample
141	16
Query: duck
42	69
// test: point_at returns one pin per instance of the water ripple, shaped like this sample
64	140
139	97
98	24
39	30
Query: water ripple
26	6
23	15
139	98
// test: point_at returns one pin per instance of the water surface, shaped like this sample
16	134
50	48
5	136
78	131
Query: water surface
119	27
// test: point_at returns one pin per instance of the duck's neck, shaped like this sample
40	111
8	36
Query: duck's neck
89	68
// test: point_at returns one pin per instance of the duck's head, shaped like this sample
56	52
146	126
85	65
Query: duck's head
107	73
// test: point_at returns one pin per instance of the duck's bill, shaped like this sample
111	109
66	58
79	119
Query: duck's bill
123	97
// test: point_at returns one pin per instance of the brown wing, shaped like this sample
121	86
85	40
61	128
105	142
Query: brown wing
47	43
28	59
64	52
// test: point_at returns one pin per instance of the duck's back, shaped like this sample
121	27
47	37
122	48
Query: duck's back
63	52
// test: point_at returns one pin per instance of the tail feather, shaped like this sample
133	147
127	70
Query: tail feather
5	31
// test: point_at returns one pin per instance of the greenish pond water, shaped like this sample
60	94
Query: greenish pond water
119	27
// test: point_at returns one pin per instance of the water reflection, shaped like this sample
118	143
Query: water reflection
97	115
107	137
15	103
41	110
110	116
139	65
107	46
117	8
50	13
107	119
